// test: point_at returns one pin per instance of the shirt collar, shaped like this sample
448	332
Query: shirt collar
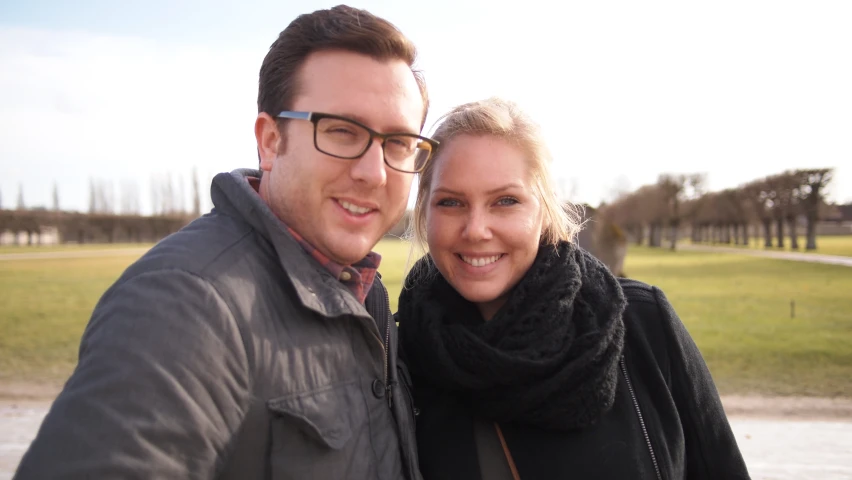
357	278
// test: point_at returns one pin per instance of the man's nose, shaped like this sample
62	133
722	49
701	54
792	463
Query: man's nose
370	167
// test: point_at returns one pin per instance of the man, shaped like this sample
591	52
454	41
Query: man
255	342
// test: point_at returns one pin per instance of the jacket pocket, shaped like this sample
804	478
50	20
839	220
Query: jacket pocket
320	434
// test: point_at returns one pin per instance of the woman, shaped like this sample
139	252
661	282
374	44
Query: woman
529	359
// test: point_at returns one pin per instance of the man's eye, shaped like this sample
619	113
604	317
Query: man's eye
400	142
341	131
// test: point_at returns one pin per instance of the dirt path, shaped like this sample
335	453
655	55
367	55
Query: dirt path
780	437
108	252
788	408
794	256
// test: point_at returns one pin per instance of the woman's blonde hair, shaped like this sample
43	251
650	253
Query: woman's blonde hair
502	119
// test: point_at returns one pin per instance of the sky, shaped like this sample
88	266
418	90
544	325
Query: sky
133	93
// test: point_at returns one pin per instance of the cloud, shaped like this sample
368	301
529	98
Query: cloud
75	105
737	90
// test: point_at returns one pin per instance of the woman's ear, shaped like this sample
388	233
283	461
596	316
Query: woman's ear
269	140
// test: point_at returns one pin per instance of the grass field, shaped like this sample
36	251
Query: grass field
737	309
45	305
826	245
67	247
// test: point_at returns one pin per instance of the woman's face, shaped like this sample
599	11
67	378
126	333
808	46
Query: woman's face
483	220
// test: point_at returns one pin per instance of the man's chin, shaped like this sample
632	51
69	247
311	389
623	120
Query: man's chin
352	249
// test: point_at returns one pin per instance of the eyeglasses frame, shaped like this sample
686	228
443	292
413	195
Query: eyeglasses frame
315	117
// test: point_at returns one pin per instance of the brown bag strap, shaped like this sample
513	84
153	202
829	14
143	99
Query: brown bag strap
495	461
508	454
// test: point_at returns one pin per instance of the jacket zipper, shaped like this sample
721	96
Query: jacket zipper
641	419
386	345
388	320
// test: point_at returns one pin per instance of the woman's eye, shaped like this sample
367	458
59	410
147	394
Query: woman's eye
447	202
507	201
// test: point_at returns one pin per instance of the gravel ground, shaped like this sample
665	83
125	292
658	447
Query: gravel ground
774	448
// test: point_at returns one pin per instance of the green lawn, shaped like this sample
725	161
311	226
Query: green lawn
395	263
738	310
736	307
45	306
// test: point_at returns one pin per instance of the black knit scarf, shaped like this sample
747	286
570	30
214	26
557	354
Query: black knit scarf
548	358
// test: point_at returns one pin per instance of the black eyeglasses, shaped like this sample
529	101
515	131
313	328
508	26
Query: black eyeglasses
342	137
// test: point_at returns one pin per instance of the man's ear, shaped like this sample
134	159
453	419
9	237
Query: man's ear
268	140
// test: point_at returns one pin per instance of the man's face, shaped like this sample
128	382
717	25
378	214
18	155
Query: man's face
343	207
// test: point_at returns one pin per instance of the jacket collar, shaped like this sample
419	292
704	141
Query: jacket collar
315	287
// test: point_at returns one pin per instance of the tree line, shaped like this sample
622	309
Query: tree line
680	201
168	197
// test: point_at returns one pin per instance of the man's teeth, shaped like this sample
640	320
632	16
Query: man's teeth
354	208
480	261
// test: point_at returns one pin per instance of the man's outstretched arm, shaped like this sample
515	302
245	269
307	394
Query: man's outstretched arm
160	387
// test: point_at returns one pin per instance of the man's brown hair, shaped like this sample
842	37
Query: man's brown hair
339	28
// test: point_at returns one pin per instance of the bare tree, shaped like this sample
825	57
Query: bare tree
129	197
110	205
164	199
813	184
669	190
781	190
196	194
55	197
180	195
156	202
21	205
101	196
777	200
732	217
675	192
758	198
790	196
93	200
622	211
168	195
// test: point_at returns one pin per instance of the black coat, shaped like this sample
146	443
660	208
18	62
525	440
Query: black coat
667	421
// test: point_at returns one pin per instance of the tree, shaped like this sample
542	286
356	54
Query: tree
93	201
196	194
156	203
101	196
757	196
129	194
164	196
21	205
674	191
55	197
813	182
168	195
180	196
670	188
782	191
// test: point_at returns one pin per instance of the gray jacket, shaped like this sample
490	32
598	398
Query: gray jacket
228	352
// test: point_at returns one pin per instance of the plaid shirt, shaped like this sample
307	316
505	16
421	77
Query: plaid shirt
358	278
